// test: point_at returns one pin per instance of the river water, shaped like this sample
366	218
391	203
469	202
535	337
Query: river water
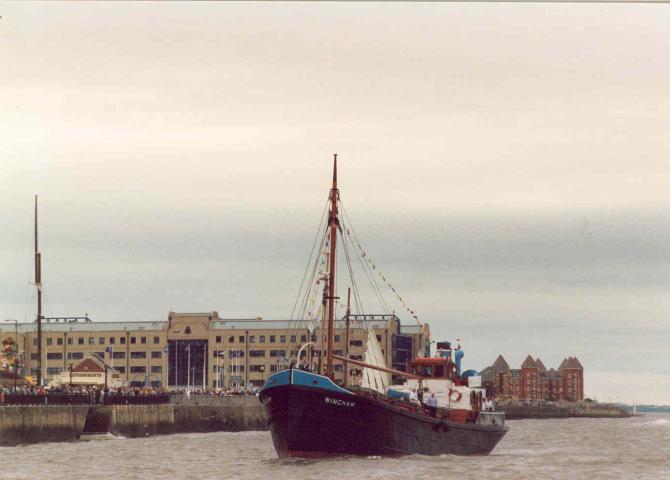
635	448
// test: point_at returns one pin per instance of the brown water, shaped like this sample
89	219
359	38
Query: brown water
636	448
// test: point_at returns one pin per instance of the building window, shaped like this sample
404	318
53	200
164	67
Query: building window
34	342
187	330
54	356
133	340
337	338
272	339
112	340
122	340
236	354
101	340
156	354
33	356
118	354
49	341
91	340
355	343
338	352
100	354
156	340
256	368
138	369
379	338
75	355
356	357
252	338
70	341
282	339
59	341
256	353
231	339
303	338
80	340
241	339
338	368
218	339
274	368
54	370
261	339
277	353
156	369
120	369
138	354
293	339
143	340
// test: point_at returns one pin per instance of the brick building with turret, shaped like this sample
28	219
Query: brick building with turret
533	382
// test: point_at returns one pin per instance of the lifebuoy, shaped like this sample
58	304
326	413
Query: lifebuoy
454	395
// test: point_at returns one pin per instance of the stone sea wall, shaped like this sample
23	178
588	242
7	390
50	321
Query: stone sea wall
41	423
578	410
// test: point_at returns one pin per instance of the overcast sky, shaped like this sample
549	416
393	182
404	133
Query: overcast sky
505	165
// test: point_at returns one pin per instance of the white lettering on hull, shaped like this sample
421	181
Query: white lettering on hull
340	403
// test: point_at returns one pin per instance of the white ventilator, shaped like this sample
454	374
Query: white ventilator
375	379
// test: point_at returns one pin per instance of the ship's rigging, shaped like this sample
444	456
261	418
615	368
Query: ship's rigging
318	295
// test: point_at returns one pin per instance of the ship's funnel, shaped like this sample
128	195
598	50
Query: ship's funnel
459	356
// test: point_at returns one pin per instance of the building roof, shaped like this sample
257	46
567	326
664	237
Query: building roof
88	364
488	374
411	329
571	362
529	363
259	324
500	364
216	324
30	327
552	374
540	365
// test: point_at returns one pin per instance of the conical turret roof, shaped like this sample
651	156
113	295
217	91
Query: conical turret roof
500	365
529	363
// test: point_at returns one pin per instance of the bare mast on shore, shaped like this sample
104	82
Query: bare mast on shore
38	285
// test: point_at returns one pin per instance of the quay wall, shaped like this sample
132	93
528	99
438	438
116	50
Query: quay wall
213	414
41	423
573	410
598	411
142	420
47	423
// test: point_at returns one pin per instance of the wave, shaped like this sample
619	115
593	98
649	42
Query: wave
659	421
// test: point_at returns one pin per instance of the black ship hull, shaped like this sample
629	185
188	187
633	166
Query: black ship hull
308	421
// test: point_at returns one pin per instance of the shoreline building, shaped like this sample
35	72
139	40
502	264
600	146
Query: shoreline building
533	382
202	350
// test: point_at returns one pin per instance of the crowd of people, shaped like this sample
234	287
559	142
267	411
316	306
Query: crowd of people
98	394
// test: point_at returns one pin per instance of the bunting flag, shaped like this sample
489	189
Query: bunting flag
372	265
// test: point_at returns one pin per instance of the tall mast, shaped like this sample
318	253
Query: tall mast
38	285
346	338
333	223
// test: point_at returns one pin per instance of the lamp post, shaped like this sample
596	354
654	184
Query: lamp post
262	369
70	368
16	346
